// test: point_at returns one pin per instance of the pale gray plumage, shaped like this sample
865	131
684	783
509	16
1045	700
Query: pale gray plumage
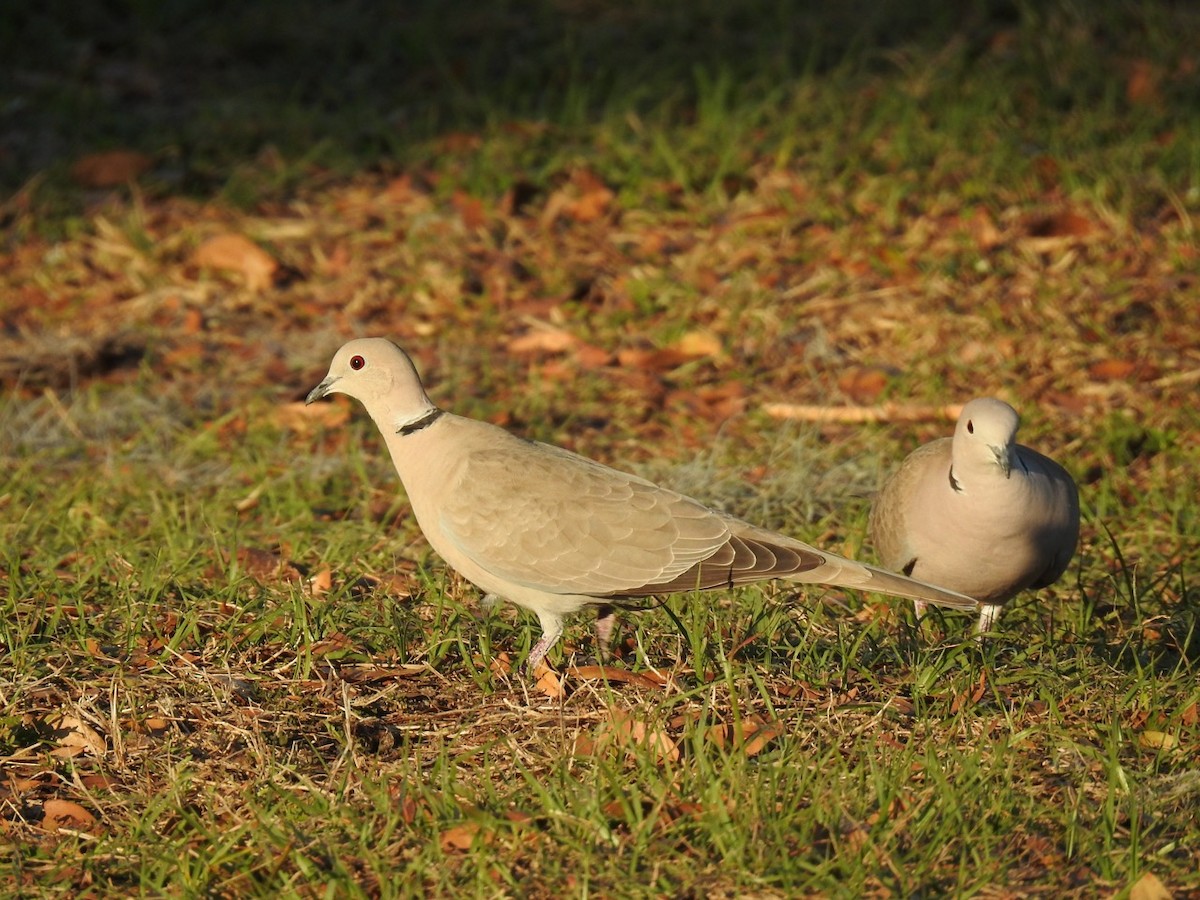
552	531
978	512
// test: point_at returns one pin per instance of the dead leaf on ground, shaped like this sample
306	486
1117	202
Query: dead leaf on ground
1059	226
1149	887
236	253
863	385
366	674
697	345
76	737
470	210
460	837
500	664
625	731
1158	740
748	735
1111	370
66	815
110	169
585	198
335	643
542	339
549	682
1142	86
611	673
266	565
304	419
320	584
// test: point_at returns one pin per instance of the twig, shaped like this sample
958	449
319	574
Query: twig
888	412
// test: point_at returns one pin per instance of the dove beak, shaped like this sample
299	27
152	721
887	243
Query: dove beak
321	390
1003	460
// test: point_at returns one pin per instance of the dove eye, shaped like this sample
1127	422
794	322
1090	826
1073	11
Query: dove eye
357	362
970	424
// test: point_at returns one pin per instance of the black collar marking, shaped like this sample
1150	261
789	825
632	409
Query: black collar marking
954	482
417	424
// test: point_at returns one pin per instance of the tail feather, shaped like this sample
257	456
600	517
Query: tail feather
862	577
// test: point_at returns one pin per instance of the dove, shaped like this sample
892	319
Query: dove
555	532
978	512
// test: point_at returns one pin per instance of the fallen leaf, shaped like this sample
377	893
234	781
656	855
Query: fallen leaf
303	418
321	583
266	565
623	730
1142	86
1149	887
460	837
542	339
76	737
697	345
366	674
1158	740
1111	370
66	814
470	209
748	735
863	385
610	673
110	169
1065	224
237	253
335	643
549	682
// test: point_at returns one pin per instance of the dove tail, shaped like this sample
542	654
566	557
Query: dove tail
862	577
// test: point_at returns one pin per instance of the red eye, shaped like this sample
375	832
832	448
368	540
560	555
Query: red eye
970	424
357	362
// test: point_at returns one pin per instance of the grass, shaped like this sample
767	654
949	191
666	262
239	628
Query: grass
232	667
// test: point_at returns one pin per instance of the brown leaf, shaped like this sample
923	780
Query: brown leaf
623	730
610	673
461	837
748	735
1157	740
549	682
983	229
542	339
1149	887
335	643
470	209
303	419
863	385
593	200
1111	370
321	583
266	565
110	169
66	814
237	253
76	737
1142	86
697	345
1065	224
591	357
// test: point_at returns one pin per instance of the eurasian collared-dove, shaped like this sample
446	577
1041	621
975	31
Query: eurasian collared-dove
978	512
553	531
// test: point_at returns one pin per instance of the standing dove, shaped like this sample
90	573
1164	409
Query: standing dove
978	512
554	532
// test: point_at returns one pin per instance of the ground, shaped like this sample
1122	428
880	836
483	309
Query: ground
751	253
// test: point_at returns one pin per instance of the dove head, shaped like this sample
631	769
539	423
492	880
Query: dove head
379	375
986	434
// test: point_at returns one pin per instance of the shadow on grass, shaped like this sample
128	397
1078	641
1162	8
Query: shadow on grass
206	85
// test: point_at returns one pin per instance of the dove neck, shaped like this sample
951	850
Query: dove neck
424	420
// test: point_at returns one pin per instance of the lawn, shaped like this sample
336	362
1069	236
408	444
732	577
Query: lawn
749	251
